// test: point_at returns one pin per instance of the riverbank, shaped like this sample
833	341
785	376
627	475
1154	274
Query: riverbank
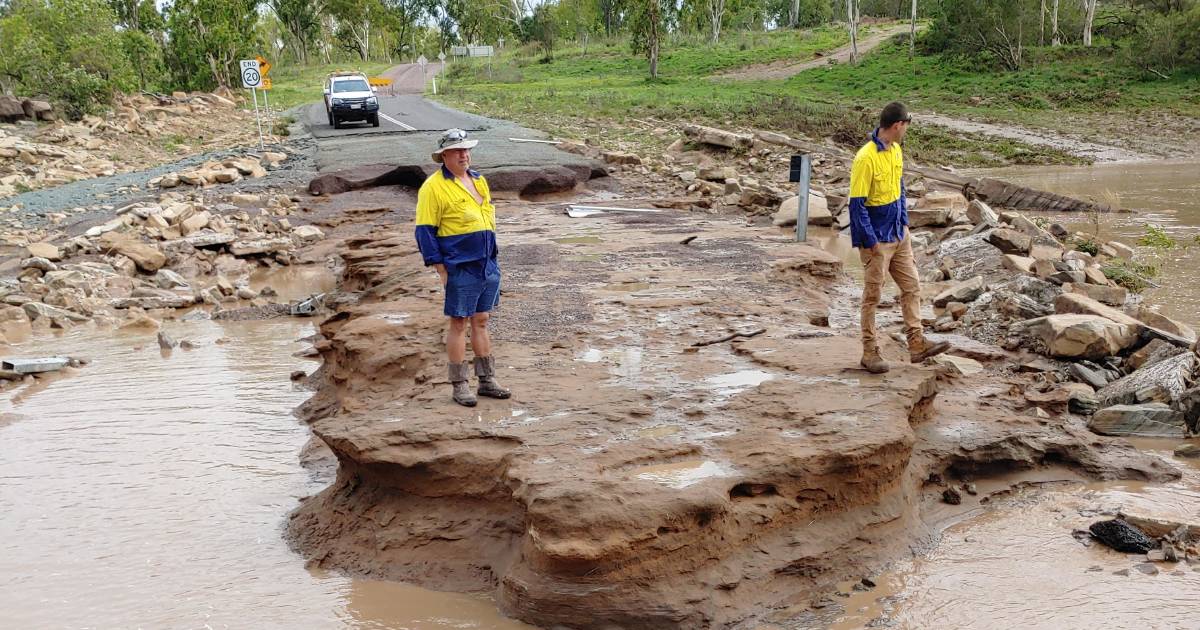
634	434
744	479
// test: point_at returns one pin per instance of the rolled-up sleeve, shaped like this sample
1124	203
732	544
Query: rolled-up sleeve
429	216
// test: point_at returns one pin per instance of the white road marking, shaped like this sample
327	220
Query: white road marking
397	122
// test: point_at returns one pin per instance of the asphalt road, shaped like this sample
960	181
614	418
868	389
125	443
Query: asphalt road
409	127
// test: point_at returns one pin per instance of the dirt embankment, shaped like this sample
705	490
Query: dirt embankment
635	478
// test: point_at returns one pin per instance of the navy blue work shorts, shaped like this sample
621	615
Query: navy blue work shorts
472	287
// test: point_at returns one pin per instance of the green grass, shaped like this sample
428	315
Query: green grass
1066	79
295	85
609	83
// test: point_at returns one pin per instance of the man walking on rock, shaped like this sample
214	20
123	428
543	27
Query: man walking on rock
456	232
879	229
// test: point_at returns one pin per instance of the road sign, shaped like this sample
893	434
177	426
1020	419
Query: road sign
264	66
266	83
422	60
442	57
251	75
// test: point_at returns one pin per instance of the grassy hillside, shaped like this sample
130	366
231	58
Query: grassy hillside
609	83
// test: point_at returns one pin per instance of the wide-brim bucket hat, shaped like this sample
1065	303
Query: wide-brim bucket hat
452	139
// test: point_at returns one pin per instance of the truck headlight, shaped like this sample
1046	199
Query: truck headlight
371	100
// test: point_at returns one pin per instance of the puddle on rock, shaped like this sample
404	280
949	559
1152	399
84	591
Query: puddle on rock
294	282
150	491
737	382
682	474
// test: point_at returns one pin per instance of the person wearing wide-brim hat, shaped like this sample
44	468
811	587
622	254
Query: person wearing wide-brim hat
456	232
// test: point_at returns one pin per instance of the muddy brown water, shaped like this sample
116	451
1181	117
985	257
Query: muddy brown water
145	491
1017	565
1165	194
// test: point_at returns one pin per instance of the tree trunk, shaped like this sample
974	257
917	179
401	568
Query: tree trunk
794	14
1055	40
716	12
1042	33
1089	15
912	32
852	15
655	20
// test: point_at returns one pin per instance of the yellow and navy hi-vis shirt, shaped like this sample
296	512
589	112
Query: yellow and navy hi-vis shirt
451	227
878	208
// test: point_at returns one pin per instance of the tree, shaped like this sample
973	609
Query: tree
852	23
301	20
912	31
207	38
1089	17
716	13
647	23
542	28
355	23
1055	39
68	50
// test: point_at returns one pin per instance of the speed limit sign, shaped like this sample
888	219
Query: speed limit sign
251	76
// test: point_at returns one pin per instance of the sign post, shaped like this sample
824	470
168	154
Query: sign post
264	69
801	172
421	61
252	80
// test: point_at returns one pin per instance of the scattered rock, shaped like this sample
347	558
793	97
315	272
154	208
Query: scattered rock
1121	536
1074	336
958	366
1145	420
718	137
47	251
982	214
963	292
1188	451
951	496
818	212
1163	382
165	341
1010	241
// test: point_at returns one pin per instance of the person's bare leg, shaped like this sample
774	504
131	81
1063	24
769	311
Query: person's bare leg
485	363
481	341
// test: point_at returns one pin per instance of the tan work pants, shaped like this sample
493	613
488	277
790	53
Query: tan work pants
897	260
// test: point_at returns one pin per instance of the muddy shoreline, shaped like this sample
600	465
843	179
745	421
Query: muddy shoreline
639	481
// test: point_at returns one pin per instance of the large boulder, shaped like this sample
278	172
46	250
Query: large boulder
922	216
1162	322
982	214
1147	420
1152	353
49	251
1081	336
718	137
1163	382
1112	296
147	257
963	292
818	211
1010	241
1077	303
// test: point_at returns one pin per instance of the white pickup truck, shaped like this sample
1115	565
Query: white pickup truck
350	97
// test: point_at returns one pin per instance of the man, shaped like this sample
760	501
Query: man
879	229
456	232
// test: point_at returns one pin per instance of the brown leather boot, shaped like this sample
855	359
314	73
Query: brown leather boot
920	349
872	361
460	375
485	369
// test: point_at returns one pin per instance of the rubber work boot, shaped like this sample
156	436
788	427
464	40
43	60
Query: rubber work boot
460	378
873	362
919	349
485	369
